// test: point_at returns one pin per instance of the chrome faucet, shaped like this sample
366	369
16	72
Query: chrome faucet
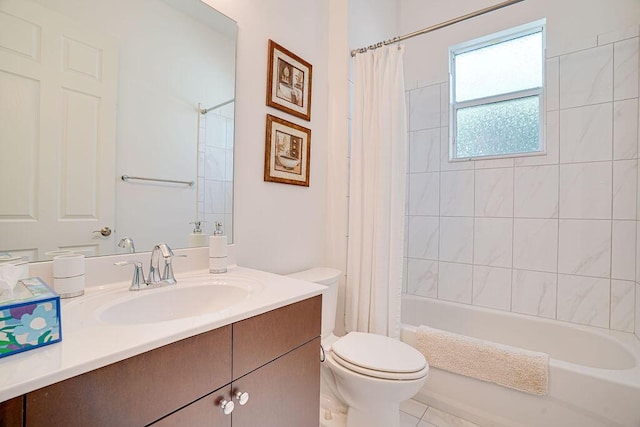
127	243
155	278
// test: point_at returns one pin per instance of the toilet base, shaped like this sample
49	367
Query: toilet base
387	416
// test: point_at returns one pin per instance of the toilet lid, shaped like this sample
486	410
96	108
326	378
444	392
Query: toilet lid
386	356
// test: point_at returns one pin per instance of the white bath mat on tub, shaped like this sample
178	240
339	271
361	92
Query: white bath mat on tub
508	366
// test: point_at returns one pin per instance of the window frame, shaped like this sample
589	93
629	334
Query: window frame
485	41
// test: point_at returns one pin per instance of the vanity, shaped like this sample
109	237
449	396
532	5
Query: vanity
256	362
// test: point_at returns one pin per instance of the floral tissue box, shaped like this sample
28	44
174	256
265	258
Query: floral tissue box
29	317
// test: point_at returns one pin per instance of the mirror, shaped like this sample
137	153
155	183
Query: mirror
94	91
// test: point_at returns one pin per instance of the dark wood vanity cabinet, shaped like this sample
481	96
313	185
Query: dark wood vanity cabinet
12	412
274	357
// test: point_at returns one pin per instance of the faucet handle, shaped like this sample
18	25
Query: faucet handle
137	281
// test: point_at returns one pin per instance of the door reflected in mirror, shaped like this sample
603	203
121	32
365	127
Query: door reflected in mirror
91	91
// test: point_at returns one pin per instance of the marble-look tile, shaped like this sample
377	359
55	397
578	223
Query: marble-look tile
535	244
214	163
456	239
444	104
493	242
424	108
443	419
413	408
423	423
423	237
494	192
552	144
536	192
623	250
617	35
552	77
454	282
492	287
625	69
586	77
445	164
586	190
214	197
583	300
230	134
625	129
623	301
493	163
534	293
407	420
216	131
424	150
585	247
625	189
424	193
586	133
456	193
422	277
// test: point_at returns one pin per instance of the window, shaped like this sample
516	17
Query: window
497	92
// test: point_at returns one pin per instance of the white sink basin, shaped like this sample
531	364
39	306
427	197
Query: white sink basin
176	302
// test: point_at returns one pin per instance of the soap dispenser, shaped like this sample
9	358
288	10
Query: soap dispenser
218	251
197	237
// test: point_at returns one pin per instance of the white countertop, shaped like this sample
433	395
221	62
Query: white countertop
89	343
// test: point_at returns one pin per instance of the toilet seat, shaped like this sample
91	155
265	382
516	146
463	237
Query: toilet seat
379	357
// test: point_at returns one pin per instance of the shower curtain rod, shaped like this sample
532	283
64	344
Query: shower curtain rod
444	24
205	111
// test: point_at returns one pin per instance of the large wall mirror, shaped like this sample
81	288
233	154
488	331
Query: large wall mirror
94	90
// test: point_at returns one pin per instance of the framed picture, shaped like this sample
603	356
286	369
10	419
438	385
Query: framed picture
289	82
287	152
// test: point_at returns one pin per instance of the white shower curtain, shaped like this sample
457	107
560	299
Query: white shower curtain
377	193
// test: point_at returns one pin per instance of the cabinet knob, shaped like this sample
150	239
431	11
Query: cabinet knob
226	406
242	397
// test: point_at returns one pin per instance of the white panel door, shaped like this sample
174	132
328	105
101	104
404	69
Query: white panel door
58	81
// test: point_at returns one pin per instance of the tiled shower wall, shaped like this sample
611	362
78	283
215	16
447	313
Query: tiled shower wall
215	170
553	236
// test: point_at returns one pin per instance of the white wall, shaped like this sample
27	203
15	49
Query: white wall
277	227
550	236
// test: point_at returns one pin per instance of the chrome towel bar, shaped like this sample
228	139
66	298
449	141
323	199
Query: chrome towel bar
126	178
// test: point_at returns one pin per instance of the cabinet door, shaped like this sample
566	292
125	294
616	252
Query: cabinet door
283	393
11	414
139	390
205	412
260	339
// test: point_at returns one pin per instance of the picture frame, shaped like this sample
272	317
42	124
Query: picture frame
287	152
289	80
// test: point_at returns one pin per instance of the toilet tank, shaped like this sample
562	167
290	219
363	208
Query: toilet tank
328	277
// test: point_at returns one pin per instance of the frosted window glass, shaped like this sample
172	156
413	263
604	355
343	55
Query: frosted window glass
504	67
498	128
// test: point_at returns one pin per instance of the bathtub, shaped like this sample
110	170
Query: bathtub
594	374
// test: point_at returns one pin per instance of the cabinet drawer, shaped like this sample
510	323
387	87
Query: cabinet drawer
260	339
138	390
205	412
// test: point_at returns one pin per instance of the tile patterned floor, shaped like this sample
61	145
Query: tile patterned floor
416	414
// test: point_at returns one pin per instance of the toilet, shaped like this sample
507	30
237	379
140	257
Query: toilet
367	375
